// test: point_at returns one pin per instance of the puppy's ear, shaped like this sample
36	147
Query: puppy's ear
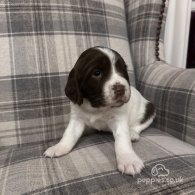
72	90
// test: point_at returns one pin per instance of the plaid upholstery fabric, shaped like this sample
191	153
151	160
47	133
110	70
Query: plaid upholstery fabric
172	90
40	42
143	18
91	168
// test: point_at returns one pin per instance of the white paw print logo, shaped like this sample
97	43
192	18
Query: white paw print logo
159	170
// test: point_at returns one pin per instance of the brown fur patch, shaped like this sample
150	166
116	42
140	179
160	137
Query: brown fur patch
149	112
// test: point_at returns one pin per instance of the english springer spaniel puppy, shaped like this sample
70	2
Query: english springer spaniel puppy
101	98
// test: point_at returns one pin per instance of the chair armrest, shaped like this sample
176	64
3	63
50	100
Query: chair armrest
172	90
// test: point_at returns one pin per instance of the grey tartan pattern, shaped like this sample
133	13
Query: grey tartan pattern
40	41
172	90
91	168
142	23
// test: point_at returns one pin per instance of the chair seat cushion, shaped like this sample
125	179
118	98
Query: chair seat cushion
91	167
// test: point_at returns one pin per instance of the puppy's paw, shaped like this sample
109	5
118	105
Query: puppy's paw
130	164
134	136
55	151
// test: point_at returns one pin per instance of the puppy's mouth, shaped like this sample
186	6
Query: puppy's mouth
118	102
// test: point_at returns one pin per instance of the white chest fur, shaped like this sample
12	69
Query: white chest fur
97	119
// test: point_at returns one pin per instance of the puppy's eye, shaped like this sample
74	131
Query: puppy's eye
97	73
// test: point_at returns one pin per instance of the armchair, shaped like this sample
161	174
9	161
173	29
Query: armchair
39	44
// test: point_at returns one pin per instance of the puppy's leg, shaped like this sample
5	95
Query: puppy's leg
138	128
70	137
127	160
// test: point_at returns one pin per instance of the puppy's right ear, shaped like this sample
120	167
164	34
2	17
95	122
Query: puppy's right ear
72	90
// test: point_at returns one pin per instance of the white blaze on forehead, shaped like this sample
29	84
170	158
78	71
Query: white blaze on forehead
110	54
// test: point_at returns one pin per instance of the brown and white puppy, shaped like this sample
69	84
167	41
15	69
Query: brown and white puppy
101	98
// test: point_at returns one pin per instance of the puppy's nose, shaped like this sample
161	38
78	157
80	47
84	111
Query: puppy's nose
119	90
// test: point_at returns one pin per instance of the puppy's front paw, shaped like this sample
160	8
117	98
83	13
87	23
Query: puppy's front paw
56	151
130	164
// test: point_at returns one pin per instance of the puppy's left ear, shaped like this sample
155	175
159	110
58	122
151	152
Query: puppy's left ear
72	90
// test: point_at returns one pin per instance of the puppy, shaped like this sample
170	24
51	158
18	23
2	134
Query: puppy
101	98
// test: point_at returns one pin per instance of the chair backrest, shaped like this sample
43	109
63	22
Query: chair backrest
40	42
146	26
